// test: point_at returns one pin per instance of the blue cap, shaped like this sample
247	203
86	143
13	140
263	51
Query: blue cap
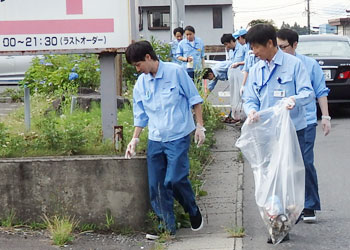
236	34
242	32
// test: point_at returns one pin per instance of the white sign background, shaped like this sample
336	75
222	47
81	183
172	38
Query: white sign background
64	26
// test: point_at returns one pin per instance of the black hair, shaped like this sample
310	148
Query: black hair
206	73
261	34
227	38
243	36
137	51
287	34
178	29
190	28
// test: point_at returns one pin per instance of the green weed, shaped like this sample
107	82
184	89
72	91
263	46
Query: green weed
9	220
158	246
37	225
61	228
88	227
240	157
109	220
236	232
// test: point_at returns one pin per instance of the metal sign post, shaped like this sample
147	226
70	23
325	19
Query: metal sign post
27	108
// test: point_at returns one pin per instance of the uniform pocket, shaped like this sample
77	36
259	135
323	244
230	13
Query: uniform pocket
284	79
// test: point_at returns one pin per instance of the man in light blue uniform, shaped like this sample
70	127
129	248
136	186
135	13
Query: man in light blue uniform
163	98
178	34
219	71
215	74
191	52
240	37
249	61
287	40
276	76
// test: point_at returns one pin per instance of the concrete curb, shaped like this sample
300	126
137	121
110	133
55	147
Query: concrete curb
238	245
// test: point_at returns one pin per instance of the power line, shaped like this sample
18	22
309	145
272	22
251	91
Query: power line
263	10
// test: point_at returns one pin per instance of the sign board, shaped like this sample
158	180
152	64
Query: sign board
65	26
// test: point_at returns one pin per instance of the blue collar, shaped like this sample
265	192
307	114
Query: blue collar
159	73
277	59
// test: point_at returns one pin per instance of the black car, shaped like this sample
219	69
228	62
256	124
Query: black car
332	52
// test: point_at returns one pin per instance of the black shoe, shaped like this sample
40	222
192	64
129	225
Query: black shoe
309	216
286	238
301	216
197	221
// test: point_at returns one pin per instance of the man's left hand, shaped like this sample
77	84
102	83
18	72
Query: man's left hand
326	126
199	135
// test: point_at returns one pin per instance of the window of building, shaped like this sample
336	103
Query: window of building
140	19
217	18
158	19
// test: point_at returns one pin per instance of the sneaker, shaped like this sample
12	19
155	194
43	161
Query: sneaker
156	237
152	237
197	221
309	216
286	238
301	216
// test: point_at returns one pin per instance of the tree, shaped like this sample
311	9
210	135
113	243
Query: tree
285	25
296	27
264	21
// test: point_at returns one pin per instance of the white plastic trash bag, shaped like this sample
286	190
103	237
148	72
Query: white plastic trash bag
271	146
235	78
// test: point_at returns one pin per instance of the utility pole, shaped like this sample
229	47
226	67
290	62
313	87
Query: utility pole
308	16
177	15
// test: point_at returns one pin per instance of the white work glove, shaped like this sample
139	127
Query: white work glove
199	135
131	149
253	116
290	102
241	90
326	124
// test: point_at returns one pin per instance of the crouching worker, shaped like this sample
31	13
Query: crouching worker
215	74
162	99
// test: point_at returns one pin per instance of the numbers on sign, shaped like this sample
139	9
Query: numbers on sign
31	41
50	41
9	42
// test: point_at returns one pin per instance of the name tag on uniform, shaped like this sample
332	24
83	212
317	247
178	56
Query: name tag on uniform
279	93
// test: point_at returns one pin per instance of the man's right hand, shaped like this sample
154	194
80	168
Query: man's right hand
253	116
131	148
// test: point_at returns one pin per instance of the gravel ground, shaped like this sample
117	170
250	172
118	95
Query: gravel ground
20	239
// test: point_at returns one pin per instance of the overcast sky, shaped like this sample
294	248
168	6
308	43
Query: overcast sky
288	11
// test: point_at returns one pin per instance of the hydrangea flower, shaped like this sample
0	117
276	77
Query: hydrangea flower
73	76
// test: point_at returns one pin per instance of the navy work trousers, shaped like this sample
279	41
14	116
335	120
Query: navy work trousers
168	170
312	199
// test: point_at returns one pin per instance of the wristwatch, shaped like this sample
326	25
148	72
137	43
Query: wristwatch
327	117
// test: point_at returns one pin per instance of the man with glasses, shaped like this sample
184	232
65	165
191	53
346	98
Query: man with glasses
287	40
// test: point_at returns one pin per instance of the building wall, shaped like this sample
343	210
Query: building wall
347	30
201	18
327	29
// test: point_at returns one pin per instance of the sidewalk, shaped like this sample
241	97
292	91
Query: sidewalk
222	207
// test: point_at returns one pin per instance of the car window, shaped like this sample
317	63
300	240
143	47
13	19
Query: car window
324	48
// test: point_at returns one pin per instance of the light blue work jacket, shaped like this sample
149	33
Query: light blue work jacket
318	84
164	103
186	49
287	77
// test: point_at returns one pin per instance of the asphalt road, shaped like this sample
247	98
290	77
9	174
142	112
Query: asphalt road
333	223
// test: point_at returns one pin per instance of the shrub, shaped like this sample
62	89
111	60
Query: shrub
62	74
